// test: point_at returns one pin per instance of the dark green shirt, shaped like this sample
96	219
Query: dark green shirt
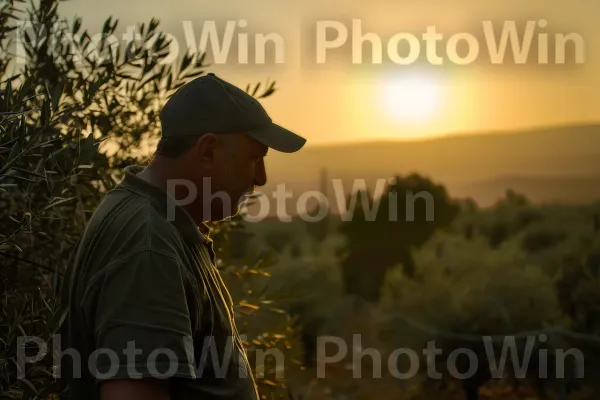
147	300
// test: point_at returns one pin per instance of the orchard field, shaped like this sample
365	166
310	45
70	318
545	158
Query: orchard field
522	274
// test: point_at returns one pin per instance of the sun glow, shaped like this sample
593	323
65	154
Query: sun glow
413	99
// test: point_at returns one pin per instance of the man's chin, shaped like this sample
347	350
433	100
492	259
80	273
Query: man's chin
249	196
245	199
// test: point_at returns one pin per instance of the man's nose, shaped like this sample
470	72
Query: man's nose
260	174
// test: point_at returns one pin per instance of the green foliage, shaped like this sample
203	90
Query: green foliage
578	290
539	239
318	223
463	288
507	218
468	288
383	232
320	228
45	188
427	207
487	291
277	240
468	291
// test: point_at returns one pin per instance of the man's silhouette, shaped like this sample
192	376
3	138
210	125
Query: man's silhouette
149	315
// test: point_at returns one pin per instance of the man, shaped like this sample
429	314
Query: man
149	315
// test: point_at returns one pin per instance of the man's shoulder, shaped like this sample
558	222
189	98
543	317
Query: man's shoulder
126	222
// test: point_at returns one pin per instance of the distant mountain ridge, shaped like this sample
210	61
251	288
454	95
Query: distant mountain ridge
547	164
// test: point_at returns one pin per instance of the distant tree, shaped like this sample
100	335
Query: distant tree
411	209
498	233
510	216
578	294
319	229
542	238
295	250
468	205
359	267
469	231
277	240
512	198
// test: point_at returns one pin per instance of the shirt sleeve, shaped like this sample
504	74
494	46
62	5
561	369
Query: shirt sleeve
142	320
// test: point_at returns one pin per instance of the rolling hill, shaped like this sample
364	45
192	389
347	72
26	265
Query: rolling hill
559	163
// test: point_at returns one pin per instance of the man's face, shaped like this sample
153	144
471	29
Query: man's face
237	168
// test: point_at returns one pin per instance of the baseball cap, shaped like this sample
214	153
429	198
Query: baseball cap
209	104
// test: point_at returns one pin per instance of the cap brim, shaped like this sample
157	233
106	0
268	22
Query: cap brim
277	138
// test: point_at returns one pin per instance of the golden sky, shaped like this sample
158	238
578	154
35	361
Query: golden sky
339	101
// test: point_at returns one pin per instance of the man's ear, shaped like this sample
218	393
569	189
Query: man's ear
205	149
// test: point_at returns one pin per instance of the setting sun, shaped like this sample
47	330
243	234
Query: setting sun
411	98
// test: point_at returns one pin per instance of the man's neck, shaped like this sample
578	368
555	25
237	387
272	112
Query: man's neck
161	176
